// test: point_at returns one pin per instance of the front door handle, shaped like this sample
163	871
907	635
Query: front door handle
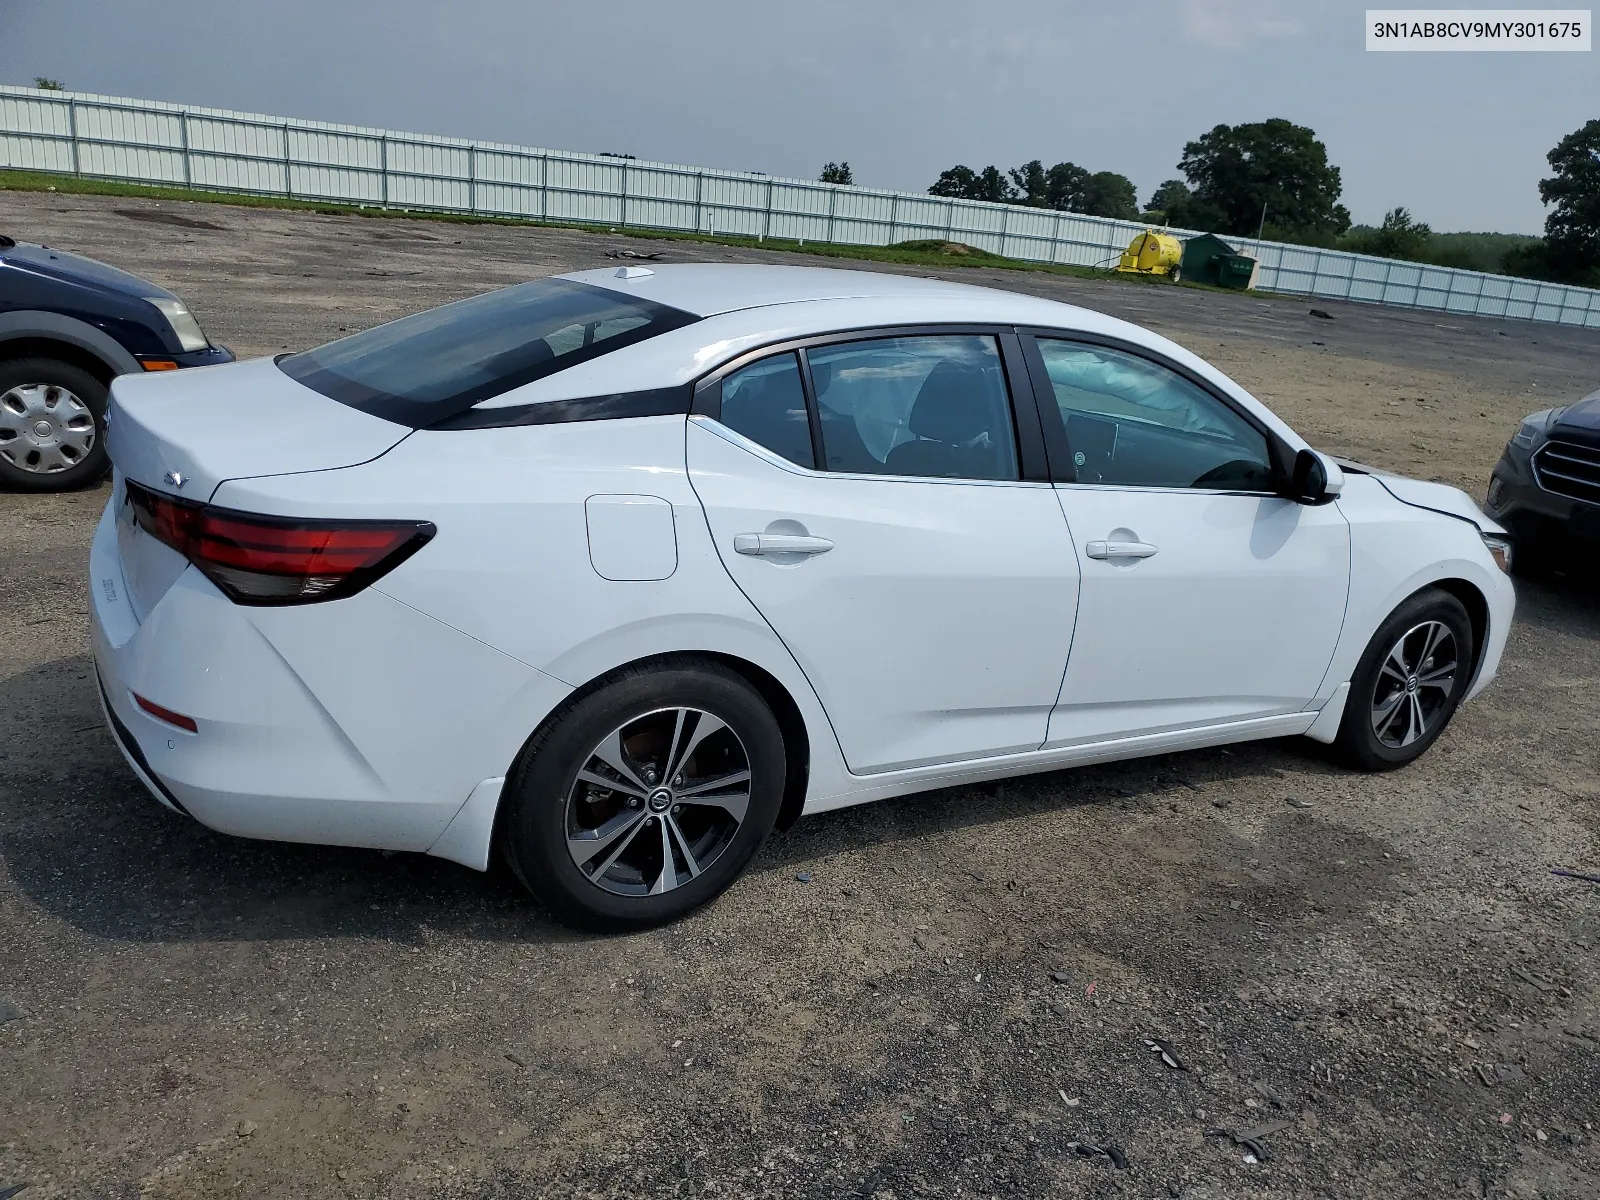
762	544
1109	550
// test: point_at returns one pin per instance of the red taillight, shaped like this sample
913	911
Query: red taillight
257	559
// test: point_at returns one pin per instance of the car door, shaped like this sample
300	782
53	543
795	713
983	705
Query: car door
1206	596
869	496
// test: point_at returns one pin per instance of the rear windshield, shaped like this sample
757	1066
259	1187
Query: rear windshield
426	368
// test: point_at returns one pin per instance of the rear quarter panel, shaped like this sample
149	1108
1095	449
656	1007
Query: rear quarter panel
511	563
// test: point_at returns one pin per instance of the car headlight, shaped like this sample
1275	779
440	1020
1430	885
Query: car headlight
1499	549
1534	426
190	335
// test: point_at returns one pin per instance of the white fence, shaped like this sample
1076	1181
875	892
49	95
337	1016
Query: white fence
150	142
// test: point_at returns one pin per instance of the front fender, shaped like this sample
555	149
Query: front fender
34	323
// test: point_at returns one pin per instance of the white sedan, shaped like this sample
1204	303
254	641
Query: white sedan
618	571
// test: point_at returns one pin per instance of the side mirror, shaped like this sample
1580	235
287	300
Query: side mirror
1315	479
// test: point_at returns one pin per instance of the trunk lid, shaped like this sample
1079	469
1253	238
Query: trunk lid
185	432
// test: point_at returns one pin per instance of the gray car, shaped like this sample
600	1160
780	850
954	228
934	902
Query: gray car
1546	487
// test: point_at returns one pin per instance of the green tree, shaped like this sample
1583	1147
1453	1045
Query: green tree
1032	181
45	84
1068	187
1276	168
1061	187
1398	237
836	172
963	183
1108	194
1174	204
1572	230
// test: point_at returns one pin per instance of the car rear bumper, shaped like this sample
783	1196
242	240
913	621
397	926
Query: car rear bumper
356	722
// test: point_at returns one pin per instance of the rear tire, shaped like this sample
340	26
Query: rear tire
52	426
682	771
1409	682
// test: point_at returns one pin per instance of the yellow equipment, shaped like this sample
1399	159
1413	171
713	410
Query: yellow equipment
1152	253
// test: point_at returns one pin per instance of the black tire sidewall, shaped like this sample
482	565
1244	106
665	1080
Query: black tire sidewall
1357	739
88	389
533	822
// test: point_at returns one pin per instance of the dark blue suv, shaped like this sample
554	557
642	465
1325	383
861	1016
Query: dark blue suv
68	326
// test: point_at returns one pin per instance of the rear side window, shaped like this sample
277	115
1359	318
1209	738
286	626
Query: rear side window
932	406
429	367
767	403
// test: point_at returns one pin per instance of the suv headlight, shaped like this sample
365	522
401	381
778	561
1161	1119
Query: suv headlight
1499	549
190	336
1534	426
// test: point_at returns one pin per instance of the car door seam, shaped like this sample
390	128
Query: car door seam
711	536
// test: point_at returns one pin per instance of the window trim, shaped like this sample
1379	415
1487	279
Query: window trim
1059	448
1027	424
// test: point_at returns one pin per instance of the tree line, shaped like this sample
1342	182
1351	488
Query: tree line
1273	179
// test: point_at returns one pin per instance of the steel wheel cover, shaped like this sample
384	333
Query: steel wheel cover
44	429
657	802
1415	684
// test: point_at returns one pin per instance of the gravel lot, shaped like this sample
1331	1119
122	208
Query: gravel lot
962	996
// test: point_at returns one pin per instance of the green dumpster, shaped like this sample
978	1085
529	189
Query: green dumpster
1209	259
1234	270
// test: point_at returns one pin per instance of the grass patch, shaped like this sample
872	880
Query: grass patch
926	253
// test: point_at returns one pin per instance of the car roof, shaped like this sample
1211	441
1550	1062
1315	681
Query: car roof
710	289
745	307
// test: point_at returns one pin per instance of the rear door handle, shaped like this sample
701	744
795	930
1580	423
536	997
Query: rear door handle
1108	550
762	544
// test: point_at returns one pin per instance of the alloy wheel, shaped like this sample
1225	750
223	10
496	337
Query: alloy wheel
44	428
657	802
1415	684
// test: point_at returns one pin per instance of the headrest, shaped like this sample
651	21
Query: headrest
950	406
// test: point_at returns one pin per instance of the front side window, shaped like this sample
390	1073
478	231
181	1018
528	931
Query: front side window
766	402
933	406
1134	422
434	365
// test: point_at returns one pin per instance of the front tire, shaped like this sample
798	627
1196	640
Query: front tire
1408	683
645	798
52	426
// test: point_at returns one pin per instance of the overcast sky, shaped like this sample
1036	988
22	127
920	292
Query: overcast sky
901	90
